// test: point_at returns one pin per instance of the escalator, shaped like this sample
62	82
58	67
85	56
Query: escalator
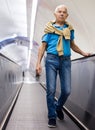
30	111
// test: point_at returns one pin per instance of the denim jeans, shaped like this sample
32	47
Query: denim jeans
57	65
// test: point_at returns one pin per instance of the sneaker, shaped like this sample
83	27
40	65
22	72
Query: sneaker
60	114
52	123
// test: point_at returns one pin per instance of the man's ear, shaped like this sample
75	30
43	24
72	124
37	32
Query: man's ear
54	14
67	15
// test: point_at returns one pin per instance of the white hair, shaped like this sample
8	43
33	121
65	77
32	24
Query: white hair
59	6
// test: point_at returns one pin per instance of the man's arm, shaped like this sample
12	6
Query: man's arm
78	50
41	51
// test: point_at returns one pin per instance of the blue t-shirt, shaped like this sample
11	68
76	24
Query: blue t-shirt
51	40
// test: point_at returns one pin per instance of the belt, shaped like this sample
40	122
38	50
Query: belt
62	57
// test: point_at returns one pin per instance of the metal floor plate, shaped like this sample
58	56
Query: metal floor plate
30	111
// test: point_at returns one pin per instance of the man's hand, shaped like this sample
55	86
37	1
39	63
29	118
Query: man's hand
87	54
38	70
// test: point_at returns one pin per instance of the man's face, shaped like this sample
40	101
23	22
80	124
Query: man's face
61	14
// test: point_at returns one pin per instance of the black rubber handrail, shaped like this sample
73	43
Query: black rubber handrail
8	59
85	57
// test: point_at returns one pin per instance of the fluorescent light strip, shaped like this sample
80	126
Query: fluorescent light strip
33	16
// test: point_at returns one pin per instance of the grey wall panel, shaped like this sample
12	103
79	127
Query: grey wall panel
82	99
10	81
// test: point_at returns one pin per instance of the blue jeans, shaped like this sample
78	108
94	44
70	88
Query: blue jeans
54	65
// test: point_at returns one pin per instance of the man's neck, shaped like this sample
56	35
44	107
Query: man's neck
60	23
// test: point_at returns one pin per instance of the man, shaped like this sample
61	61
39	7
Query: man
57	41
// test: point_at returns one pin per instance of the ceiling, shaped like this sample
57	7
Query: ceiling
15	19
